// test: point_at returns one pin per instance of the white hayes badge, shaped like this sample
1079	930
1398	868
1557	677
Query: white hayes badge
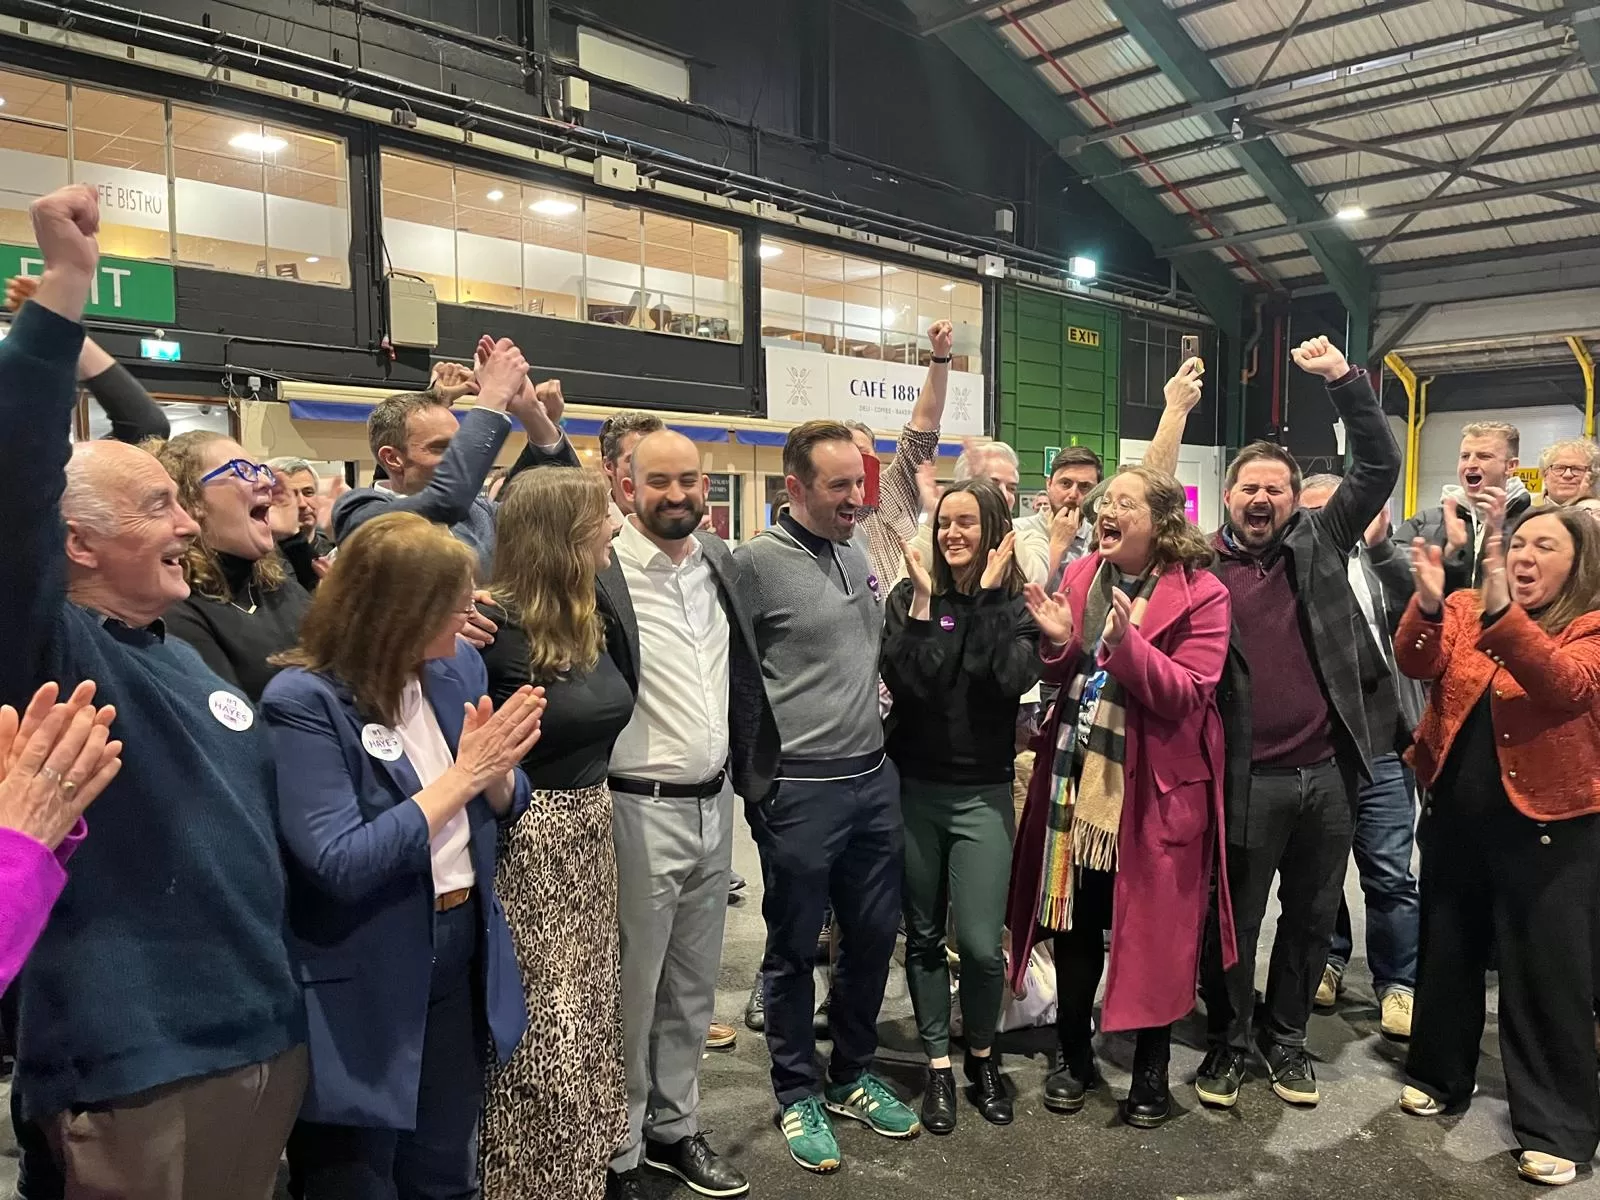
232	711
381	742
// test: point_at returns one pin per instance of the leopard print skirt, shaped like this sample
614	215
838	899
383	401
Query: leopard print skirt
558	1110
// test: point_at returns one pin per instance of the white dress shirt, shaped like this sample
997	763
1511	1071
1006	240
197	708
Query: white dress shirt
679	729
430	757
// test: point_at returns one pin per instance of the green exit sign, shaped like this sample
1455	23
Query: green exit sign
124	288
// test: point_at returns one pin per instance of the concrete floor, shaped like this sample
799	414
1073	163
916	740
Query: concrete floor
1355	1145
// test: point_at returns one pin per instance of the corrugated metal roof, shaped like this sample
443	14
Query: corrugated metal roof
1438	77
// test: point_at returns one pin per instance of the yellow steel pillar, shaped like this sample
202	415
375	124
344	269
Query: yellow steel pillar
1586	365
1408	380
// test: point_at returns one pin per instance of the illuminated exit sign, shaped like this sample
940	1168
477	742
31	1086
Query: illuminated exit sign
158	350
125	288
1083	337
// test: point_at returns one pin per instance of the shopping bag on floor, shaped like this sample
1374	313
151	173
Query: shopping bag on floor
1035	1007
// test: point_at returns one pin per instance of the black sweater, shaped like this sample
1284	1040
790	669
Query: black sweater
235	643
957	679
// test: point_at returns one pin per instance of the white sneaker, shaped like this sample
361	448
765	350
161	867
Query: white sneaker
1546	1168
1328	990
1418	1103
1397	1008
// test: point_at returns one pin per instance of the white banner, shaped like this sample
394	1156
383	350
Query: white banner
810	386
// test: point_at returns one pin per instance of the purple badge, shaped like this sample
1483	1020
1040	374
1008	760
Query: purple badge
947	622
872	585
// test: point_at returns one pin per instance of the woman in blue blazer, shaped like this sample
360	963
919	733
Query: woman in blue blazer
395	776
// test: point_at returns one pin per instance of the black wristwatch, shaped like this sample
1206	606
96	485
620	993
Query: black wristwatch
945	359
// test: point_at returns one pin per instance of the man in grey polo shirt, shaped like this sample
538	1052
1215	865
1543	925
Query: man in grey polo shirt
830	828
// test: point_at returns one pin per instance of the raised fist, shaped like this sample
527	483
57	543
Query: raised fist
64	225
1321	357
549	396
942	335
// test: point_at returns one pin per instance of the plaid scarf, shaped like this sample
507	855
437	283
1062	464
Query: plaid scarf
1086	805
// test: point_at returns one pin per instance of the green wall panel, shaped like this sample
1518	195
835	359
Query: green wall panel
1056	392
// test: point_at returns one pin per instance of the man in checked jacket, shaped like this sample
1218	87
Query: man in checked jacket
1308	700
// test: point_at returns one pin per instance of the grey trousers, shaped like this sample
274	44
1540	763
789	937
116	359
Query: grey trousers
673	859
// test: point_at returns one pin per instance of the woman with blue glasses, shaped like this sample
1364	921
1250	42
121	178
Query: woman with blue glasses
245	604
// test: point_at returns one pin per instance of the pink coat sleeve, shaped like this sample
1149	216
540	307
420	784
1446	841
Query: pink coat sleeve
31	879
1177	685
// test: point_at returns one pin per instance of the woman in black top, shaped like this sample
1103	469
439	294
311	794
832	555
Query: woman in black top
558	1110
959	650
244	604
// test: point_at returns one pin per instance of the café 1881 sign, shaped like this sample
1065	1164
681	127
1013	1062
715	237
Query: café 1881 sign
807	386
124	288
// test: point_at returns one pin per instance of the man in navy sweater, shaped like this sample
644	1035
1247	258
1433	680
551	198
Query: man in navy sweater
159	1025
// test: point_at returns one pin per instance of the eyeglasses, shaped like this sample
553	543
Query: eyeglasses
242	468
1567	471
1125	506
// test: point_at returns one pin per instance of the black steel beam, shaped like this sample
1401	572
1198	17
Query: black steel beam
1551	109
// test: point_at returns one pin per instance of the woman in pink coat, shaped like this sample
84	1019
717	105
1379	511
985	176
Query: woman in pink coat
1123	824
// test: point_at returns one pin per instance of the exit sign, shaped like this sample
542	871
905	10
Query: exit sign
1083	337
160	351
125	288
1050	453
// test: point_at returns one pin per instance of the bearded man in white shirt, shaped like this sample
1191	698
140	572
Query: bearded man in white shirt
674	772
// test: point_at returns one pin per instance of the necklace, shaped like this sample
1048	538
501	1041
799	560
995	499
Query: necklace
249	594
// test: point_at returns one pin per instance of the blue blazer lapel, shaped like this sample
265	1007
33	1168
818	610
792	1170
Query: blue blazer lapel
447	696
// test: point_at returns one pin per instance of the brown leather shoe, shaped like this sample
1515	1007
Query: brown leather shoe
721	1037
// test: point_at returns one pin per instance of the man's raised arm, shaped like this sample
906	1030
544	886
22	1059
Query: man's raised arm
38	391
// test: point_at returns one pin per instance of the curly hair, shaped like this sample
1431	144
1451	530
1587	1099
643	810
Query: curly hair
544	569
183	457
1174	539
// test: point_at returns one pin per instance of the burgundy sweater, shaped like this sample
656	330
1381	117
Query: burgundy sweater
1288	708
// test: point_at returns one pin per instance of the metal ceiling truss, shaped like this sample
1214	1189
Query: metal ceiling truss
1551	109
1161	35
990	57
1351	68
1491	225
1356	184
1431	204
1258	42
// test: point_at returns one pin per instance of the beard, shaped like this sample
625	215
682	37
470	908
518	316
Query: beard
673	524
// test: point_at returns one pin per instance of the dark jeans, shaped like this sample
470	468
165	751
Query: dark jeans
1080	957
1385	828
1296	823
834	834
38	1177
439	1159
1529	888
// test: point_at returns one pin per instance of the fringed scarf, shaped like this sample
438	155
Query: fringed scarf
1086	804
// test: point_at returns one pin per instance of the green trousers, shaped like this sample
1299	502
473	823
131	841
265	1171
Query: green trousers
958	855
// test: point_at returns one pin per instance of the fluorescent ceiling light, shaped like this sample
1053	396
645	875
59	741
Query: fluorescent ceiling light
768	250
1351	212
553	208
889	315
1082	268
312	258
947	287
257	143
496	196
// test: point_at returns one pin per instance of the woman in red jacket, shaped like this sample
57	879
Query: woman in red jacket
1123	822
1509	748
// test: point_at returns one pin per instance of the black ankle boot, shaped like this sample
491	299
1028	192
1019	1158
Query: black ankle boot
1149	1100
989	1093
1067	1086
939	1101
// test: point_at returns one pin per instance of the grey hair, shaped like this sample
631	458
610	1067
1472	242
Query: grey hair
1317	482
967	464
290	465
82	502
1583	446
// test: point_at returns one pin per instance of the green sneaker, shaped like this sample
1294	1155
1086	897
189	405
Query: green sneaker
871	1100
810	1137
